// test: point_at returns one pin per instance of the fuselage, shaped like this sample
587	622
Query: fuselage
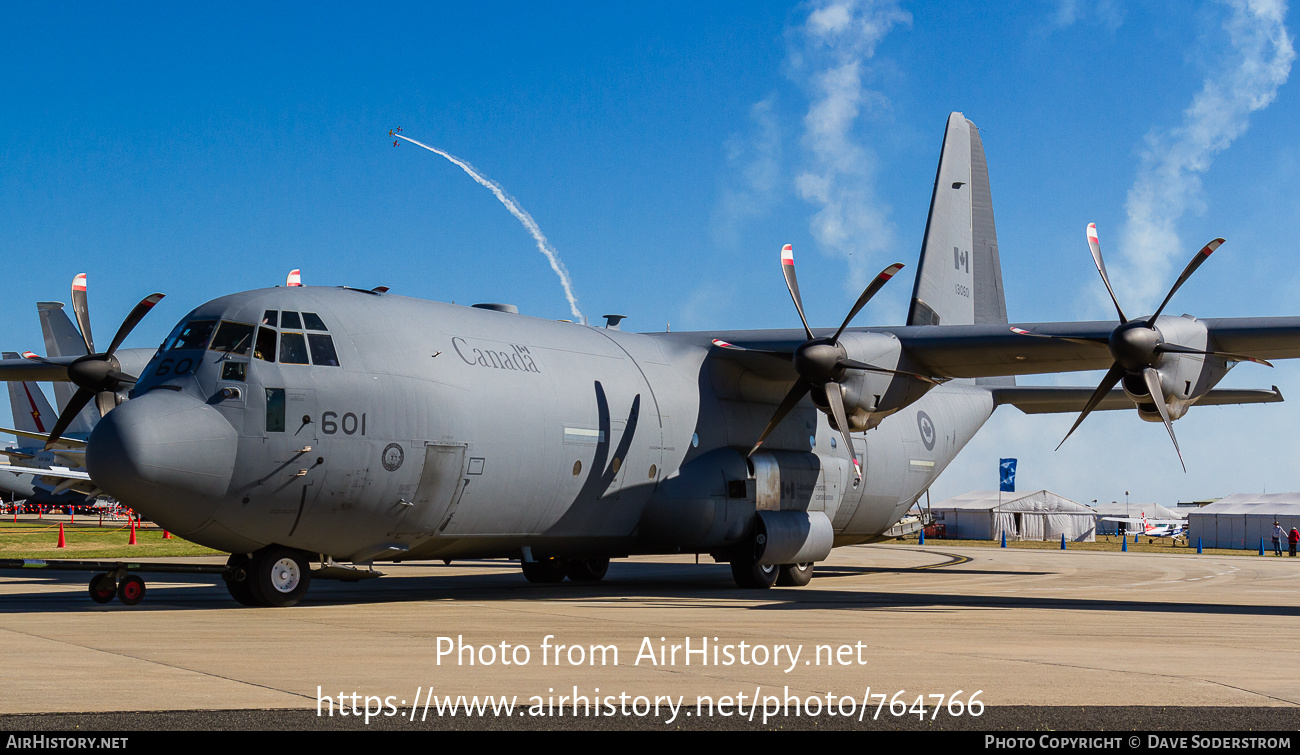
368	426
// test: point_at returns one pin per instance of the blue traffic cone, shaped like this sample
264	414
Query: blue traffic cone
1261	546
1004	538
1062	541
1124	547
923	537
1198	545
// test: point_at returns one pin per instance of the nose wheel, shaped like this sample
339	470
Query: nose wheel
128	589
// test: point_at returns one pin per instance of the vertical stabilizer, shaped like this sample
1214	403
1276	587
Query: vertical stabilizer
959	279
942	295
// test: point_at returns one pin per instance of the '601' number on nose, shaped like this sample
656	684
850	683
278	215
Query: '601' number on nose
350	424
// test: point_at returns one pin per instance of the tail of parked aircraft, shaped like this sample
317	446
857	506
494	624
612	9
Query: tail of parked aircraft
959	279
32	412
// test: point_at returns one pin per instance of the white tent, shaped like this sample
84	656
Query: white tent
1134	511
1042	515
1241	520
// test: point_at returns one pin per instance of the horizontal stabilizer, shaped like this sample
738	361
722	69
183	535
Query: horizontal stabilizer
1051	399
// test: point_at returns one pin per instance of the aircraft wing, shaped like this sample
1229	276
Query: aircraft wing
972	351
1051	399
55	473
56	479
64	442
52	369
1138	520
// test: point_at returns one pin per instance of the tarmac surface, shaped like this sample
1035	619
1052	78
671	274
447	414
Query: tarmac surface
1035	639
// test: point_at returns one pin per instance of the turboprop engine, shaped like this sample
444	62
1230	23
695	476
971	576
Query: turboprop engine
824	365
1163	363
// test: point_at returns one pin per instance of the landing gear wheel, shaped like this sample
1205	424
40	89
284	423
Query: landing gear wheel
278	576
547	571
587	569
102	588
751	575
794	575
131	590
237	579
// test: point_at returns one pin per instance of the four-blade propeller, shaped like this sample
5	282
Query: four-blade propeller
1137	345
822	362
97	376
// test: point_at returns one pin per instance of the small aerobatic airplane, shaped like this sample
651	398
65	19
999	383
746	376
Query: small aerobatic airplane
1174	528
305	424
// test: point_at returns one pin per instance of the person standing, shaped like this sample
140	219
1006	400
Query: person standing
1294	538
1278	534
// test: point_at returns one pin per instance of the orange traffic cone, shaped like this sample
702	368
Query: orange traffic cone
62	543
132	533
167	535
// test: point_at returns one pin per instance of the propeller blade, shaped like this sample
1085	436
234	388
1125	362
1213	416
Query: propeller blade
1071	339
1112	377
105	402
1174	348
796	394
836	401
70	412
1095	245
133	319
81	309
786	355
1200	257
853	364
1152	378
787	268
869	292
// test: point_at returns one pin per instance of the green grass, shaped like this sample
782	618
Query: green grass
32	538
1104	543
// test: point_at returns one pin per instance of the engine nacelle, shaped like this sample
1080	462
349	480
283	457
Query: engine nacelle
869	397
1184	378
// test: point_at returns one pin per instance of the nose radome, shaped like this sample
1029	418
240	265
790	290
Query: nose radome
164	454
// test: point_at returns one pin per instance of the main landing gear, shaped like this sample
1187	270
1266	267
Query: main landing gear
554	570
274	576
751	575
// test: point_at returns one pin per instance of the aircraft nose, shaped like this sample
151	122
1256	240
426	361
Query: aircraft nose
164	454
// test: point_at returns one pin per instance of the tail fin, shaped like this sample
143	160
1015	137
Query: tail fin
959	279
63	339
31	410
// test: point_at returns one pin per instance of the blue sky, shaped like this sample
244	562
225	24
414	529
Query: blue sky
667	151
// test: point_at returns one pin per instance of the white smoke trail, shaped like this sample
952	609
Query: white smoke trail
1258	63
522	216
829	56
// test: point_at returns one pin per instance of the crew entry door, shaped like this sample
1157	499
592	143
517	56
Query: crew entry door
441	483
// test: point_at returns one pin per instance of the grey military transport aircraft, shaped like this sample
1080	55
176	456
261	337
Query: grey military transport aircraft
294	426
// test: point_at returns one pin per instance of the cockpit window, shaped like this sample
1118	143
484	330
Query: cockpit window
322	350
270	317
194	335
265	348
312	322
233	338
293	349
290	320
